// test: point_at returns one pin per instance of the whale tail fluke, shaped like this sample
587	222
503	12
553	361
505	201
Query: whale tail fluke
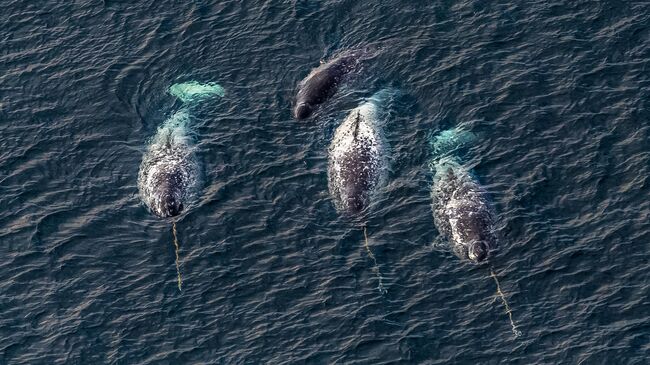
191	91
450	142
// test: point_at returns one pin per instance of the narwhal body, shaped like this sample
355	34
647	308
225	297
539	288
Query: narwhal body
358	161
461	209
169	173
358	156
323	82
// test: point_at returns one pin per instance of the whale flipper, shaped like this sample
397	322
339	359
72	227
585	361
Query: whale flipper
193	91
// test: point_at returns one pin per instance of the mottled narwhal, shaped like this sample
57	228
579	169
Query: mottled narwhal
358	155
461	208
323	82
168	178
358	161
169	170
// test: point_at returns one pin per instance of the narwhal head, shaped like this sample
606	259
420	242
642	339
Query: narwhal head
170	205
477	251
475	236
355	203
168	193
355	196
302	110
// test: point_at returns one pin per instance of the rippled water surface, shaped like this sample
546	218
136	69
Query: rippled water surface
559	93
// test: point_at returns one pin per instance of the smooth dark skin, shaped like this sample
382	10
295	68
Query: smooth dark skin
322	85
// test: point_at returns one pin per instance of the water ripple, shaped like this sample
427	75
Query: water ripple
558	93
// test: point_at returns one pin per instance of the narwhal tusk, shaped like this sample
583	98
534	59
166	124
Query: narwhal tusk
516	332
178	268
381	288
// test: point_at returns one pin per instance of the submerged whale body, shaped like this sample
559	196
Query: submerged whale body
461	208
194	91
322	83
169	172
358	156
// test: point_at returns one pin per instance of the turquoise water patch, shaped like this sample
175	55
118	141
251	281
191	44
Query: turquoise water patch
193	90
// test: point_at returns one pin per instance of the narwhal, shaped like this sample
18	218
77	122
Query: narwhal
358	160
168	179
461	209
323	82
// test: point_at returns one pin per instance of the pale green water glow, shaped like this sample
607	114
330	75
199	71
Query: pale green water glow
193	90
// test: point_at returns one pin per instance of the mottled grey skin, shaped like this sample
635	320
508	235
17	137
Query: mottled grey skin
358	174
168	174
169	188
357	159
322	83
461	211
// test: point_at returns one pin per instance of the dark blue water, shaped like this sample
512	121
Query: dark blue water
558	91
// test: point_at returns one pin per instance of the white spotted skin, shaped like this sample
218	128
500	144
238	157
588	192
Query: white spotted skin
358	162
461	210
169	171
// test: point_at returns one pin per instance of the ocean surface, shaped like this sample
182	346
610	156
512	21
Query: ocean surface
558	91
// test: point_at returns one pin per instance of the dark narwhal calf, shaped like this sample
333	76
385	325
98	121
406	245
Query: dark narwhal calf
322	83
358	160
461	209
168	177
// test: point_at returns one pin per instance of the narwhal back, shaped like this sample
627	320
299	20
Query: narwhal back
358	155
